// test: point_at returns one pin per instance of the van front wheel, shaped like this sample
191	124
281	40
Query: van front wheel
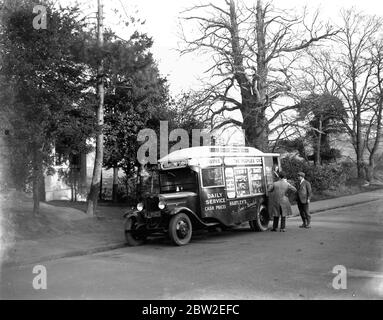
180	229
133	237
261	222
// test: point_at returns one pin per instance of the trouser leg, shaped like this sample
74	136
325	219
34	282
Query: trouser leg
275	222
302	212
283	223
307	214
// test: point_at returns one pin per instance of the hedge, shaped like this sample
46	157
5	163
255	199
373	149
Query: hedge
323	177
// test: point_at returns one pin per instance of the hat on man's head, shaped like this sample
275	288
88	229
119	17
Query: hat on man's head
301	174
281	175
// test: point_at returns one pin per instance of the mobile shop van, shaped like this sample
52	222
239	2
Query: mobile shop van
205	187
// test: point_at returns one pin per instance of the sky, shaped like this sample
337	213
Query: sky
162	23
162	18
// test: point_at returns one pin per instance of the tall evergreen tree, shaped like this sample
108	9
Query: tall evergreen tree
43	82
135	94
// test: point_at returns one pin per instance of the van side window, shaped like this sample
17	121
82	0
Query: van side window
241	182
245	182
256	184
230	184
212	177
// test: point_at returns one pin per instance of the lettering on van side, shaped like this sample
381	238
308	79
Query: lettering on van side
237	202
218	207
214	201
214	195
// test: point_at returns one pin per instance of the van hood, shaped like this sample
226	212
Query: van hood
176	195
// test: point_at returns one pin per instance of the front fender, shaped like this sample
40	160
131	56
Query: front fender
130	214
193	217
136	215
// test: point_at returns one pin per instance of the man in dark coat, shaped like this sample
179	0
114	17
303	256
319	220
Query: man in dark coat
303	199
278	203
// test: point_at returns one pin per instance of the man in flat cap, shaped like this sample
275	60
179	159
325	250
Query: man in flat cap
303	199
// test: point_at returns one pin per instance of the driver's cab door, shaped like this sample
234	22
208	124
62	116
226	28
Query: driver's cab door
213	194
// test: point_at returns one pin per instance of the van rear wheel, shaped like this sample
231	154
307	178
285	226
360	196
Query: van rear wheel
261	222
180	229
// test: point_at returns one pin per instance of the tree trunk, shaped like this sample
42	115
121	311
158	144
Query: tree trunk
36	175
253	95
92	199
71	184
42	187
262	68
359	159
359	145
96	179
370	171
254	105
318	155
100	194
256	134
115	184
36	195
378	137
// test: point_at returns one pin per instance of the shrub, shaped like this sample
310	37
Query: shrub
349	170
322	178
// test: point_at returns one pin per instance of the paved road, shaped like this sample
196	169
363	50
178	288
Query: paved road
238	264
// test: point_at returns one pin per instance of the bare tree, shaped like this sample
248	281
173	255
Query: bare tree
350	67
374	127
252	51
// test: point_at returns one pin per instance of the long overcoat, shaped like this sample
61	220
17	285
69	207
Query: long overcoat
278	202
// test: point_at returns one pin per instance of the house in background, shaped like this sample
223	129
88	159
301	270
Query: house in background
72	178
69	178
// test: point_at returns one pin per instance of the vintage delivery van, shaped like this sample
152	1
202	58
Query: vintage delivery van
205	187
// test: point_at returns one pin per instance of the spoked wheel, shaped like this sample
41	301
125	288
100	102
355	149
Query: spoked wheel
261	223
133	236
180	229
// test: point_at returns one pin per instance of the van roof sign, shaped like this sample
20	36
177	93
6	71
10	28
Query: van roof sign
198	153
237	161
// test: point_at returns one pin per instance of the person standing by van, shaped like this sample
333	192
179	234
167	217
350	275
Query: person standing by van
278	202
303	200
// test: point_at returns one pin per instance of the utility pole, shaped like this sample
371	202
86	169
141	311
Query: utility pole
96	179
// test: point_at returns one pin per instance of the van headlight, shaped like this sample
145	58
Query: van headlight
161	204
140	206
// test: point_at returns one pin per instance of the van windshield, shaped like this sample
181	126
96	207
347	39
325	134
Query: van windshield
178	180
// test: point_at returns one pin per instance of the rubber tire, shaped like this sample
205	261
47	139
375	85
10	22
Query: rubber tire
173	229
133	240
257	225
